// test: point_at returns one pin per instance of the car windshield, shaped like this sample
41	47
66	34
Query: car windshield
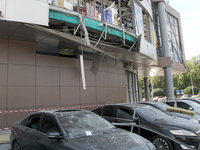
83	124
151	114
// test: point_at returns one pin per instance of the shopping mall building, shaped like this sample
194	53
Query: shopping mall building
78	53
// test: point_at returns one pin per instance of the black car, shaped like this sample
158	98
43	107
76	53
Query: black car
173	111
185	104
72	130
164	131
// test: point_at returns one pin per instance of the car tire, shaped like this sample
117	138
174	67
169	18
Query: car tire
16	146
161	143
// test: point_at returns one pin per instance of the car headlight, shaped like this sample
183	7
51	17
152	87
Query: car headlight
183	132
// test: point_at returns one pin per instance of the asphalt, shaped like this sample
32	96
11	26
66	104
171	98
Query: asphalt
5	140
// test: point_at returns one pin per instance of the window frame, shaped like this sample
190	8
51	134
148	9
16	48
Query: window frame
126	108
178	104
28	121
55	121
106	107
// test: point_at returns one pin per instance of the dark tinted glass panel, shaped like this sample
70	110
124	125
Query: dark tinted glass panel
33	122
49	125
124	113
98	111
183	105
170	103
108	111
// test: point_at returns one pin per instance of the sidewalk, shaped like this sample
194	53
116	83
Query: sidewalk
5	136
4	140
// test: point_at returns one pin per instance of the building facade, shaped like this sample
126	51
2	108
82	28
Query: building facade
42	44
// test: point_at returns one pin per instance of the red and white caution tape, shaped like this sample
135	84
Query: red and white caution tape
8	128
33	110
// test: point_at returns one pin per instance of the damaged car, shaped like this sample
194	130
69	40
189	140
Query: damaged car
164	131
72	130
174	111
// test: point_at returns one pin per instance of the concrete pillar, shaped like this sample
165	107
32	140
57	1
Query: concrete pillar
146	89
165	50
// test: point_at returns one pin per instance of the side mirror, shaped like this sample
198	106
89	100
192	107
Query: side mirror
54	135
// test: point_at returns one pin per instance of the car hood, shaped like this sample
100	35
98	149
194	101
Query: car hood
186	116
179	123
116	139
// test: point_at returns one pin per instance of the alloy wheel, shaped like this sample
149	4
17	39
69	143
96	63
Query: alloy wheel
160	144
16	146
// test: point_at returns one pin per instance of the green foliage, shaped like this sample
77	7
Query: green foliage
158	82
182	80
141	83
188	90
158	92
143	93
175	88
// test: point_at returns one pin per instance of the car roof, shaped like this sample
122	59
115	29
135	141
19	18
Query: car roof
57	112
131	105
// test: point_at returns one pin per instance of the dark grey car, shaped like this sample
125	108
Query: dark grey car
164	131
72	130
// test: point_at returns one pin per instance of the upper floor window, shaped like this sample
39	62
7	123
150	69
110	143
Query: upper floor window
174	38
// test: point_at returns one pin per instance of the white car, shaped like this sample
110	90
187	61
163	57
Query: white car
195	97
186	96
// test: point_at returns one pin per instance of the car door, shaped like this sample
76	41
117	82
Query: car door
124	115
29	132
49	125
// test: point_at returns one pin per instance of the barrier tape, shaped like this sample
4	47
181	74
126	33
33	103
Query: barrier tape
8	128
35	110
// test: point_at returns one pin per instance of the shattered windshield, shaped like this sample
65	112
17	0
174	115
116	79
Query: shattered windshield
83	124
151	114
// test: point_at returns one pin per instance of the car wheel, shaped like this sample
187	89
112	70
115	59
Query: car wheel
16	146
161	143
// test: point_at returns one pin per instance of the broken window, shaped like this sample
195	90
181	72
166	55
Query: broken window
49	125
124	113
33	122
114	12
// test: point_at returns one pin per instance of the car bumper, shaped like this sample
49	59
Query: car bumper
193	142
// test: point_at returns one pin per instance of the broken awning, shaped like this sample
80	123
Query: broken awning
66	38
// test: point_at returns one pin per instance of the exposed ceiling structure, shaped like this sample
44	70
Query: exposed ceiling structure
47	39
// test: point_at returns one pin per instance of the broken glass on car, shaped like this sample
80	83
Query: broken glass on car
83	124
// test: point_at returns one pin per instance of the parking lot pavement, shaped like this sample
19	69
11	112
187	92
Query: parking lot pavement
5	146
4	140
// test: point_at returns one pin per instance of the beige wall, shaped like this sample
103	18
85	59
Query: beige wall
30	81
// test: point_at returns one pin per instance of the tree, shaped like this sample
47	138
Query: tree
158	92
182	80
188	90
